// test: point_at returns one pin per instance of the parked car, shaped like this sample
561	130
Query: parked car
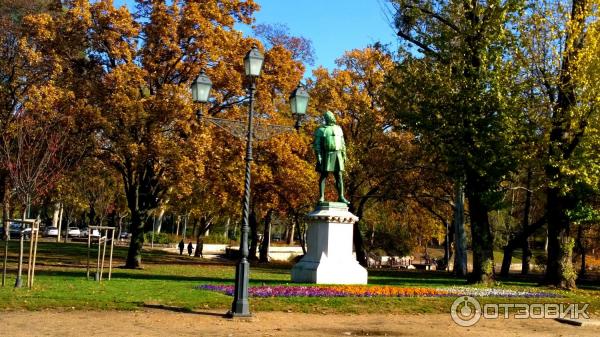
124	235
50	231
73	232
15	231
85	233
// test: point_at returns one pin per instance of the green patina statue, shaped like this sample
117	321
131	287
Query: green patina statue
330	149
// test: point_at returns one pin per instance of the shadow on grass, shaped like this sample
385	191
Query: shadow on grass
536	279
121	275
74	255
413	277
182	310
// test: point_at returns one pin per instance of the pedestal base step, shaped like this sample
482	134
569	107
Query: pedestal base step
346	272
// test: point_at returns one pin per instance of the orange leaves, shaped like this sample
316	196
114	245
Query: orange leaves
284	175
132	72
115	28
42	24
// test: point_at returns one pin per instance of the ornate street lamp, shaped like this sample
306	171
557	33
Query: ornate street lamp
253	62
201	90
299	103
240	307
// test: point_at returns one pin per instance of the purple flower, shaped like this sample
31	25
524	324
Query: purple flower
362	291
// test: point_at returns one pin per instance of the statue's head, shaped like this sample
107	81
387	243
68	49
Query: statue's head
329	118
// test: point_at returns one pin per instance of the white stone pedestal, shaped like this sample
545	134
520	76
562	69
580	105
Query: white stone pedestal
329	258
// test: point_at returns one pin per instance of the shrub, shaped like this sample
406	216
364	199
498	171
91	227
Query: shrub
160	238
216	238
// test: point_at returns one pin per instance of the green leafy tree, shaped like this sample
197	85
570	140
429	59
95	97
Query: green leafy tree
453	87
560	48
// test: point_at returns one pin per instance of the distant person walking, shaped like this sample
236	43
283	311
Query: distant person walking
190	248
200	247
181	247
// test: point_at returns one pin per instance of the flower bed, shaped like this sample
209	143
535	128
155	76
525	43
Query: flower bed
371	291
497	292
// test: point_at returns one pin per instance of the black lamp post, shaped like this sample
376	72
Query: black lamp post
240	308
298	104
253	62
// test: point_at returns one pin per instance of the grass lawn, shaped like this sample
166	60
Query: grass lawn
170	280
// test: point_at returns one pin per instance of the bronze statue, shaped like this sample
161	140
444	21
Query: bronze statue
330	149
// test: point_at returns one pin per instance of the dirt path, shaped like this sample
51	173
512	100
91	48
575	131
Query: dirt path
164	323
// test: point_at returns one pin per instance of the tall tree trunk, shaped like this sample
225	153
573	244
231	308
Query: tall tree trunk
227	223
460	238
205	224
91	215
143	193
448	240
481	238
581	248
526	251
522	238
359	246
517	240
301	233
60	218
266	242
290	233
159	220
559	268
134	254
55	214
254	239
141	197
4	198
5	224
507	257
194	229
185	222
564	138
120	224
357	237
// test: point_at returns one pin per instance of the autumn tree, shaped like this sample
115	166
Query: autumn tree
43	120
149	129
36	150
279	35
21	67
381	158
141	65
96	187
285	179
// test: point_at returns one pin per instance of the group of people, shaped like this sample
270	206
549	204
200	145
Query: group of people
190	248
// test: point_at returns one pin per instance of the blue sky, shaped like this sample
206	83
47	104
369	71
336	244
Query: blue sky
334	26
